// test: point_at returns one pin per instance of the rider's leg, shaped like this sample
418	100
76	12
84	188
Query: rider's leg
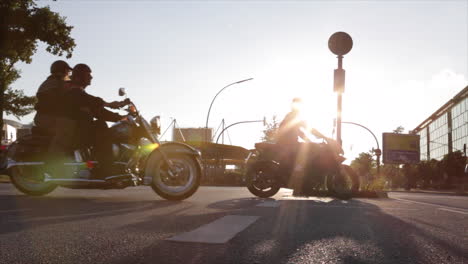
103	150
62	132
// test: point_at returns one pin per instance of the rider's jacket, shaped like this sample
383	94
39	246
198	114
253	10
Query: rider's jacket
49	97
290	129
84	107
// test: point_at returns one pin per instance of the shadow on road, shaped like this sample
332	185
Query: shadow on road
23	212
305	231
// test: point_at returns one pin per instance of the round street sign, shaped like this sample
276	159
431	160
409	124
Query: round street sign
340	43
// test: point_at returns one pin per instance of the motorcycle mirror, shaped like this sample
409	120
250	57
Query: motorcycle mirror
122	91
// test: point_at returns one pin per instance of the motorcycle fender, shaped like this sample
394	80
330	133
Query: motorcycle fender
262	163
169	147
177	147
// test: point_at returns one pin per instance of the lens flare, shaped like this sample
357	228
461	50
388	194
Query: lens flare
149	148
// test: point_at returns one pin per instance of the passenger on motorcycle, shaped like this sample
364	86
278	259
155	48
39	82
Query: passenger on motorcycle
90	114
50	108
50	119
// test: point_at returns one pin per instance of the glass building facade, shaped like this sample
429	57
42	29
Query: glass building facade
460	124
446	130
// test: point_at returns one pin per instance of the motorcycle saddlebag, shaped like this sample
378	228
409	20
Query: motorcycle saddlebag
28	148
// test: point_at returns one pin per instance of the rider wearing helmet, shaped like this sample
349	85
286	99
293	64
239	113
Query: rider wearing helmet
49	107
84	109
290	130
50	119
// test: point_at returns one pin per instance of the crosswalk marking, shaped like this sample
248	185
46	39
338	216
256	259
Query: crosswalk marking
217	232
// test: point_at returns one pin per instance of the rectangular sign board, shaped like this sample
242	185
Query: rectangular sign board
400	148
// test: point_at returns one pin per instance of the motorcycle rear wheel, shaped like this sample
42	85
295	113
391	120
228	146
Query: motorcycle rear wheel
180	187
30	180
261	182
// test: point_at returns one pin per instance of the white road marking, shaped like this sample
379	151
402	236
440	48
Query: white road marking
454	211
446	208
217	232
269	204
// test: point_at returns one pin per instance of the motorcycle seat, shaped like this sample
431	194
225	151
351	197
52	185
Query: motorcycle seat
40	132
35	140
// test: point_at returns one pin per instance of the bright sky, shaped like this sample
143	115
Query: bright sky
408	59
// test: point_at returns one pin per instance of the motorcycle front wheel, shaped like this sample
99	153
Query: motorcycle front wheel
261	181
182	183
30	180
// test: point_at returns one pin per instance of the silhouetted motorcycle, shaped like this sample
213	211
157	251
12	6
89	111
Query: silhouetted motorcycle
172	169
318	166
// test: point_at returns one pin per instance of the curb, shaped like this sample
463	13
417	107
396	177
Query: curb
454	193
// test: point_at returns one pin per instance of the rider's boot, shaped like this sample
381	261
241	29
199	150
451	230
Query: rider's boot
106	172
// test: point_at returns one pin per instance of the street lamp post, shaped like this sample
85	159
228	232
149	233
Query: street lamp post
340	43
378	151
212	101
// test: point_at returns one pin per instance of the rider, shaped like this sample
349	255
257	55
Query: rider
49	106
84	109
290	130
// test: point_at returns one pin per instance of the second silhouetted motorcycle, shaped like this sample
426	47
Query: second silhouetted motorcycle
318	167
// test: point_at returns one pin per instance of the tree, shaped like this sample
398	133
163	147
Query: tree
399	130
453	164
394	174
22	26
271	129
425	172
364	165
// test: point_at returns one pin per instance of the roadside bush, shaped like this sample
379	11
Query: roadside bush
377	184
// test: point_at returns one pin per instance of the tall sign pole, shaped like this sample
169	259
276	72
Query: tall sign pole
340	43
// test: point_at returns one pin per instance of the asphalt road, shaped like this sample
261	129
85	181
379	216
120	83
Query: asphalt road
229	225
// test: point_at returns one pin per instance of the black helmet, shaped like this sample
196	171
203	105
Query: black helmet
59	66
79	73
80	69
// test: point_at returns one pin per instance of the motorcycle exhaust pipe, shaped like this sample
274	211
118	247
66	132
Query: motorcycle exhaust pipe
73	180
80	180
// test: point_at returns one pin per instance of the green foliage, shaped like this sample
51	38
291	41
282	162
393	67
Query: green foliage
398	130
364	163
22	26
378	184
454	163
18	104
269	133
427	174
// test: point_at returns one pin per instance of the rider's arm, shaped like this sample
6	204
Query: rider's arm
95	104
107	115
83	99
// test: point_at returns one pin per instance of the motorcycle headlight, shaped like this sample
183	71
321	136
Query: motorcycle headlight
155	125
